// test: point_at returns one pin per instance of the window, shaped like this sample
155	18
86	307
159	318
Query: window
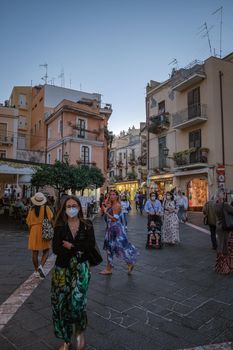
81	125
22	100
49	133
85	154
3	131
39	124
21	141
132	156
2	153
120	157
59	126
59	154
161	107
49	158
111	174
124	155
194	105
195	142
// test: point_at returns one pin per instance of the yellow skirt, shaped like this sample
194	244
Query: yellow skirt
35	241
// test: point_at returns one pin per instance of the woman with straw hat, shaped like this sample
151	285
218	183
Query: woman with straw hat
35	242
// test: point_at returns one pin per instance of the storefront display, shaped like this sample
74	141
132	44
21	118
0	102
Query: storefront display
161	185
197	193
130	186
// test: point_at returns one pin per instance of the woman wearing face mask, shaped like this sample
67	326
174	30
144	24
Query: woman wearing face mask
73	240
153	208
170	229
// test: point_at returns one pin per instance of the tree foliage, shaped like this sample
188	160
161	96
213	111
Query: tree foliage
63	176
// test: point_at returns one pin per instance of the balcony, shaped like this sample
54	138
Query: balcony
6	140
159	163
159	123
194	114
82	162
189	76
193	157
31	156
119	164
132	161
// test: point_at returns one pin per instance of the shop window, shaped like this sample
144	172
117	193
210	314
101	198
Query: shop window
197	193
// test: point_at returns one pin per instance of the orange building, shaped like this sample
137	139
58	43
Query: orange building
77	130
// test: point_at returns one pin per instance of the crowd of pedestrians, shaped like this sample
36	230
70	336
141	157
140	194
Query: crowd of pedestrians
76	249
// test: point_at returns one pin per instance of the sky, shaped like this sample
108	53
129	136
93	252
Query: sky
112	47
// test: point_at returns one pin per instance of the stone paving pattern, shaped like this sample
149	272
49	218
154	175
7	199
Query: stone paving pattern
173	300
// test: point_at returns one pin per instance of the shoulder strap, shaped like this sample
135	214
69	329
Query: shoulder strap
45	212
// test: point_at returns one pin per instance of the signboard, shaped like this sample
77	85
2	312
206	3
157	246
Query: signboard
221	169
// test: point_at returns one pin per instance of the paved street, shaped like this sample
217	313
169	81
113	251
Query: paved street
173	300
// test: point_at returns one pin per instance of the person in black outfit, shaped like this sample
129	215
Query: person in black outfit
73	242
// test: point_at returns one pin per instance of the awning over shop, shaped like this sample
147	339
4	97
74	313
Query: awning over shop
192	172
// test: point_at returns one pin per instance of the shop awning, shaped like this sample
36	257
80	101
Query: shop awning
192	172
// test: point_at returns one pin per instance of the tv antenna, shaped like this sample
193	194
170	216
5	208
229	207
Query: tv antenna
62	77
220	9
45	77
174	62
205	31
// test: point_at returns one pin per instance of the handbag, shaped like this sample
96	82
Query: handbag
47	228
227	220
95	257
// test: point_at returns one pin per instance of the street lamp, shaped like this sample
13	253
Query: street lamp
66	157
165	151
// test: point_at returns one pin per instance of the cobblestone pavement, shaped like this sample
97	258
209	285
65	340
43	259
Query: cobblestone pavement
173	299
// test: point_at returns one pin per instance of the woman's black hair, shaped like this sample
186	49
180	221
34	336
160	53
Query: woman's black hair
37	210
154	194
171	194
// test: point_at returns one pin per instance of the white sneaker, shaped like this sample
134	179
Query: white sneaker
41	272
36	274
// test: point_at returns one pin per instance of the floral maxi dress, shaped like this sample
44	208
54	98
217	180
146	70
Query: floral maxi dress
170	224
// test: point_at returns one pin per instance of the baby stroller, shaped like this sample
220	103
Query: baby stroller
154	235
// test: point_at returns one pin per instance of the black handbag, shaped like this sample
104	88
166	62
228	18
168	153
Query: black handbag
205	221
227	220
95	257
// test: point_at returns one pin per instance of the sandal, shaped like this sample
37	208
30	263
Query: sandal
105	272
80	341
130	268
65	346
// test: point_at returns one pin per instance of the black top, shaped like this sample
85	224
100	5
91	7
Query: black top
83	242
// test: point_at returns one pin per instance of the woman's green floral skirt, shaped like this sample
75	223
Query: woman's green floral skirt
69	298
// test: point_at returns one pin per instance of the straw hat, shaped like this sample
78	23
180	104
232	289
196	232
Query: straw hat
39	199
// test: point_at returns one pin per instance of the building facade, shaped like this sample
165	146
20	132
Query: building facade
127	160
189	123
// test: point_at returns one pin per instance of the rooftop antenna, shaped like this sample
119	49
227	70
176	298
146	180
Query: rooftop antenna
62	76
51	81
45	77
206	31
220	9
174	62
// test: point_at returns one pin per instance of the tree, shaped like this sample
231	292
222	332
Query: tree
63	176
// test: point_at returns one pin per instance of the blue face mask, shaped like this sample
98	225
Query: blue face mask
72	212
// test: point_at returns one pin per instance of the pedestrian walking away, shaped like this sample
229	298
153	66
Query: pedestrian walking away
224	260
35	241
73	242
116	242
170	231
210	219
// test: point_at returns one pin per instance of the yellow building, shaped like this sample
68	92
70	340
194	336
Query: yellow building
189	120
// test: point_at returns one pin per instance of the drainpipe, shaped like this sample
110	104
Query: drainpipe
222	120
46	142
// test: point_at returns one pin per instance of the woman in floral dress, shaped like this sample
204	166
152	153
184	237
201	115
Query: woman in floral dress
116	242
72	243
171	222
